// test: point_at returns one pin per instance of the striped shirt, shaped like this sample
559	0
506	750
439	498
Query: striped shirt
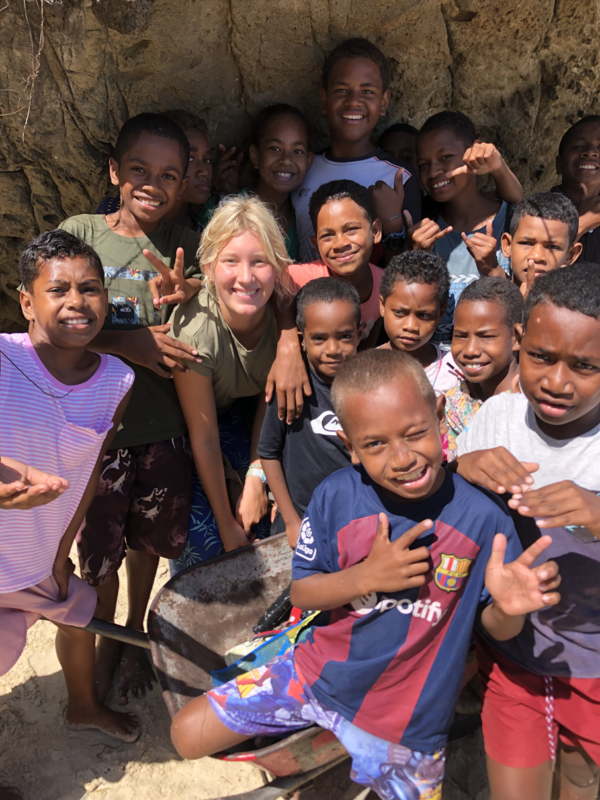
59	429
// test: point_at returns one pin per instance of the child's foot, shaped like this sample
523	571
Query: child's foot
10	793
107	656
137	675
125	727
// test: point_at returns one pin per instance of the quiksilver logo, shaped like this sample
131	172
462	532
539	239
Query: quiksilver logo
326	424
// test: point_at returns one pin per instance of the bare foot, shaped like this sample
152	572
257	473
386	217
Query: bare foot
10	793
107	656
137	675
125	727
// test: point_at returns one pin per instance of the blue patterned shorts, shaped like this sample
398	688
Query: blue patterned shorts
272	701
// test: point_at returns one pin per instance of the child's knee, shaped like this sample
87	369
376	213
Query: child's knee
190	729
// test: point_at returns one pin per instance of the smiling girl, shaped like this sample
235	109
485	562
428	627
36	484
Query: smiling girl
232	326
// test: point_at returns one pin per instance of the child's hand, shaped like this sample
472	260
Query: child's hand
23	487
559	505
516	588
292	531
527	285
227	170
234	537
425	233
171	286
497	470
61	572
253	503
152	348
483	246
479	159
288	377
388	202
392	566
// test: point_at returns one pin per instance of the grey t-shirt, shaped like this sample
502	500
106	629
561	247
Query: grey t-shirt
561	640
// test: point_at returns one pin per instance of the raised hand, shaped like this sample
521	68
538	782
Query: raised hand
518	588
152	348
497	470
559	505
393	566
227	170
483	246
170	285
479	159
425	233
388	202
23	487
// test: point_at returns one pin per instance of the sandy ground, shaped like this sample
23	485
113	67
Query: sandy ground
46	762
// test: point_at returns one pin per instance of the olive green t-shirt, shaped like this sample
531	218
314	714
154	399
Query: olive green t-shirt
153	413
235	371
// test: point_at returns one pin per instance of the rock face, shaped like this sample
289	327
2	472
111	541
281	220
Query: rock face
71	72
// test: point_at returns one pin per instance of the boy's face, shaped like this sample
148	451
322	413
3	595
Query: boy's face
67	303
150	177
402	146
330	336
396	436
482	343
410	314
282	157
199	173
543	241
439	152
345	237
560	370
354	100
580	159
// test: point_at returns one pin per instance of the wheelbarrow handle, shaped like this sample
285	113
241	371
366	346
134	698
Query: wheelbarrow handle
119	632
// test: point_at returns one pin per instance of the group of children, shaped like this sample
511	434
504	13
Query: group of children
367	352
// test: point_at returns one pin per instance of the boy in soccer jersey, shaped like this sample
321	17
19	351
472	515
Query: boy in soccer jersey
404	556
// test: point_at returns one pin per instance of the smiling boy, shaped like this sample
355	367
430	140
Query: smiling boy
398	550
297	457
354	96
543	687
543	237
144	494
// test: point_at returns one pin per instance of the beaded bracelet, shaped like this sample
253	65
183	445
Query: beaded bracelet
256	471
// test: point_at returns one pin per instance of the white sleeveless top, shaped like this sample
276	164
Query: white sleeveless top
59	429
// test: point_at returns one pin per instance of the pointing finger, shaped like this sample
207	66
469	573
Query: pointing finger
489	228
158	265
383	529
412	534
399	181
496	558
536	549
443	233
464	170
178	269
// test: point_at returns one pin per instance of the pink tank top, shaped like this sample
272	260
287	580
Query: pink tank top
59	429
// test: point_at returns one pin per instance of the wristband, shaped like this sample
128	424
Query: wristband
395	240
396	216
256	471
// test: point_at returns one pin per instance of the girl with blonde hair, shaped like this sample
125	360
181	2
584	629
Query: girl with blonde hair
232	327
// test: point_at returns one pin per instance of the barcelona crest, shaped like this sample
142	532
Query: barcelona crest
451	572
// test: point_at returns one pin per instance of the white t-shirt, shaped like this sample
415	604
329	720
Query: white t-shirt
561	640
376	166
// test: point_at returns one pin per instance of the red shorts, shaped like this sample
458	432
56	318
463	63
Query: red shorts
524	714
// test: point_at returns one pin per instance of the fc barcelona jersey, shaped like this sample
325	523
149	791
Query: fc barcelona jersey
393	663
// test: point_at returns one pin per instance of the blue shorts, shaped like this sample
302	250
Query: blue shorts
273	701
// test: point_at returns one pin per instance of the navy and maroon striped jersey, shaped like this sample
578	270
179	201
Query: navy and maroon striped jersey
393	663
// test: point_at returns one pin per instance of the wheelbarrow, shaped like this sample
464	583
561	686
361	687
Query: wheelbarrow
200	614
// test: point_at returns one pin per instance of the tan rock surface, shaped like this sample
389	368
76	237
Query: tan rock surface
523	69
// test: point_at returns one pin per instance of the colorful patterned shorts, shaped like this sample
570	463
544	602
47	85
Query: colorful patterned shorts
273	701
143	502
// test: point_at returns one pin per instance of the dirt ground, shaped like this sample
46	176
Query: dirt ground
46	762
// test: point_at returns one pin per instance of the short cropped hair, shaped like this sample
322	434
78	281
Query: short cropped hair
548	205
417	266
341	190
397	127
326	290
460	125
573	129
370	369
234	216
187	121
277	111
157	125
496	290
576	288
357	48
55	245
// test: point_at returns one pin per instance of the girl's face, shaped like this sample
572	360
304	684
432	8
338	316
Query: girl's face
282	157
244	279
482	343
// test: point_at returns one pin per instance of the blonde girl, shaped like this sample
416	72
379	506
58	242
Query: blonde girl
231	325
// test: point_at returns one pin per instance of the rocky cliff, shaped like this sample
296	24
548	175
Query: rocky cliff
71	71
